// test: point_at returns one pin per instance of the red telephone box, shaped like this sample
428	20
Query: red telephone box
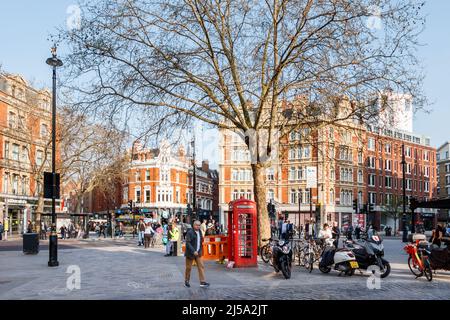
242	248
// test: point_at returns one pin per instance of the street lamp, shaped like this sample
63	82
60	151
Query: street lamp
405	231
53	239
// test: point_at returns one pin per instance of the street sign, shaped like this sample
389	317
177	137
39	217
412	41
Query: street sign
311	177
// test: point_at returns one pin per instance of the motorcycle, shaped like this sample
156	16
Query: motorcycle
282	258
370	252
342	260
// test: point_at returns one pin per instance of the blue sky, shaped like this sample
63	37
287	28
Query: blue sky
25	25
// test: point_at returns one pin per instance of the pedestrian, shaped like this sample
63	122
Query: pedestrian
447	234
326	234
307	230
336	233
203	228
284	230
436	235
63	232
290	230
1	230
141	230
29	227
174	235
358	232
148	233
350	232
280	227
193	252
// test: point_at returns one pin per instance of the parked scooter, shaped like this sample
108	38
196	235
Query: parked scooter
342	260
282	258
370	252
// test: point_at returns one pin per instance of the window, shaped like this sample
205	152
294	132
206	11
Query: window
360	176
307	152
332	174
371	144
408	152
292	173
388	148
249	194
6	156
44	131
271	194
372	197
292	154
24	185
24	154
360	157
147	195
12	120
372	180
137	176
371	162
5	188
332	197
15	184
137	195
388	182
388	165
147	175
15	152
235	194
270	174
293	196
235	175
301	173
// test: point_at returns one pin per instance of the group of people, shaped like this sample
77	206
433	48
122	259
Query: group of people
438	233
72	231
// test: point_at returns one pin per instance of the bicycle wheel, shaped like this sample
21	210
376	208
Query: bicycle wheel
414	268
266	253
427	270
311	262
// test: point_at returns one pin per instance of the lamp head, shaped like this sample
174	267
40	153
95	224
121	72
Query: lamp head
54	61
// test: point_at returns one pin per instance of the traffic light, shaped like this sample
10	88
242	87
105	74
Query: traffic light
130	205
271	210
355	205
364	209
371	207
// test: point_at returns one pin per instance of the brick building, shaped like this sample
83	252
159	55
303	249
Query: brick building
443	177
353	162
25	133
207	191
157	180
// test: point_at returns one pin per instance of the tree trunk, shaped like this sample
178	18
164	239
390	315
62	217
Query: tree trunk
261	204
39	211
395	226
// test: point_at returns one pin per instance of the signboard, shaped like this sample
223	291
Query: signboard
311	177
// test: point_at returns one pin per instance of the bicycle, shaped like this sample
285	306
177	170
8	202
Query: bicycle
266	250
418	260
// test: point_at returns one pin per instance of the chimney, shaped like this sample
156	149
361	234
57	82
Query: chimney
205	165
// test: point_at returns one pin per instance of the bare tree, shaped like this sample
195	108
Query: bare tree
394	210
261	68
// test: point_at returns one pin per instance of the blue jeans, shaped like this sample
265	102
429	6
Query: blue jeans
141	237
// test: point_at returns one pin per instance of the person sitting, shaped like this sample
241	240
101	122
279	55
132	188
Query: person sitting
326	234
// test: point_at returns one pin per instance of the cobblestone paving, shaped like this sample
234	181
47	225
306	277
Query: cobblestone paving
120	270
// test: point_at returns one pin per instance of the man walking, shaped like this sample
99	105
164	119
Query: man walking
1	230
194	240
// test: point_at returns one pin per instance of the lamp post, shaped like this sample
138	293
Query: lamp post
53	239
405	231
194	183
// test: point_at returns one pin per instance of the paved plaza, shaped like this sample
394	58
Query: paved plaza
118	269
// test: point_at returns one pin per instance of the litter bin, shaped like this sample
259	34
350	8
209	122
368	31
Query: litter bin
174	248
30	243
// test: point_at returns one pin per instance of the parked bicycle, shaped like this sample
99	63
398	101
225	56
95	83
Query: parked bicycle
266	250
418	260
